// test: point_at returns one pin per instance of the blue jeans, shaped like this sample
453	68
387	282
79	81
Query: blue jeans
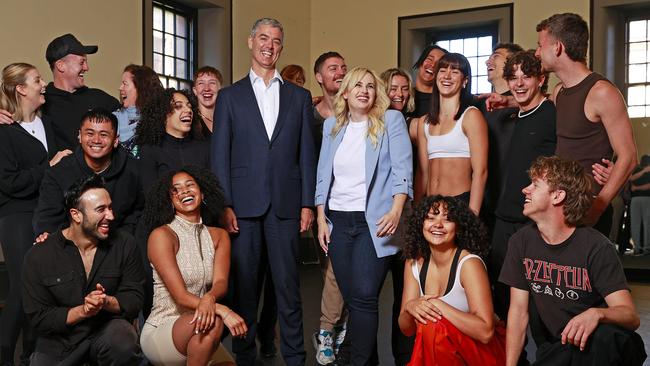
360	276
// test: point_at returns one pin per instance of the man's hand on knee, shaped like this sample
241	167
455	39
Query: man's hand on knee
580	327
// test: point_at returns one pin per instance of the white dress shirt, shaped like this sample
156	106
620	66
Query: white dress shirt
268	99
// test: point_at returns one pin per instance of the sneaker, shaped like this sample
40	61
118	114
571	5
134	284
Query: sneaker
323	341
340	337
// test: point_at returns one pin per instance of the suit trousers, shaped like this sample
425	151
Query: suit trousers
280	237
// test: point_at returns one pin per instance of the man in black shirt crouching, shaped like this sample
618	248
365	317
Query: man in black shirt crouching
83	285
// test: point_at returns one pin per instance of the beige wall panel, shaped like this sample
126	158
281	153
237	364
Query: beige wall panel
115	26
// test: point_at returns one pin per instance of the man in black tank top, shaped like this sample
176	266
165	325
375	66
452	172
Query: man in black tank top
592	119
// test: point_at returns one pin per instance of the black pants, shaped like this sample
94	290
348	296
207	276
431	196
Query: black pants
604	224
16	237
281	239
609	345
115	344
503	230
401	344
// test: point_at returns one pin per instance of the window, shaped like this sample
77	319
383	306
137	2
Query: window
637	66
471	32
174	44
477	47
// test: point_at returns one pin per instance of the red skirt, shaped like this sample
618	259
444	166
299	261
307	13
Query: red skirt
441	343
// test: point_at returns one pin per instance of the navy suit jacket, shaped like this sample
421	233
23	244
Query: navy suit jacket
256	172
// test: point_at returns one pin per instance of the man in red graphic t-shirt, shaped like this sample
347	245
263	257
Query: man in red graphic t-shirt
571	273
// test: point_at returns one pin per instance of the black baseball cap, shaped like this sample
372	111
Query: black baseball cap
65	45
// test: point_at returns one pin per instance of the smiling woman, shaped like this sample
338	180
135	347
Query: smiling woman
27	148
138	86
170	135
191	262
446	300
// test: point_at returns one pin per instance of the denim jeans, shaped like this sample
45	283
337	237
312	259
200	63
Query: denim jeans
360	276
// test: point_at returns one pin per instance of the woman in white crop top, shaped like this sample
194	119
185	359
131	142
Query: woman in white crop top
446	287
452	137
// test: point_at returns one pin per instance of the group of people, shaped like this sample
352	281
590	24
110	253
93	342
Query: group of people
182	205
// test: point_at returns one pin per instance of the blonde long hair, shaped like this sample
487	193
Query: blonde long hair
13	75
376	113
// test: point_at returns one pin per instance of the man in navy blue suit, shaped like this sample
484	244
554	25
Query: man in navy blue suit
263	154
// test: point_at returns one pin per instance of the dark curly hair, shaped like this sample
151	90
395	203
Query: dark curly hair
153	116
159	210
471	233
146	83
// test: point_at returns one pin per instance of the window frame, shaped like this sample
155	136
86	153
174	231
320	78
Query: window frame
412	30
191	50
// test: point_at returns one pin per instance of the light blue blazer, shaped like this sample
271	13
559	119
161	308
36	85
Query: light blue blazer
389	171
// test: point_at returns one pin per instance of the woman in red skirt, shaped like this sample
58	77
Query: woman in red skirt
446	300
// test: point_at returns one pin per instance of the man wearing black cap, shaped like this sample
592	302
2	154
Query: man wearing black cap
67	98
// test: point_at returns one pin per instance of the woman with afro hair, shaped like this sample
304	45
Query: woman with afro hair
446	300
170	135
191	261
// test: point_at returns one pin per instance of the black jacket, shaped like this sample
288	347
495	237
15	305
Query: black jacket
172	153
66	109
54	281
23	160
122	181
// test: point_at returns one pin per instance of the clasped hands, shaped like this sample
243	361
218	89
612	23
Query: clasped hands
424	309
206	314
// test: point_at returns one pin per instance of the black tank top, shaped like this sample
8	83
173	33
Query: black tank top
578	138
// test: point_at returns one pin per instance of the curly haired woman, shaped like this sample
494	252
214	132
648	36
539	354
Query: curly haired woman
446	298
170	135
191	262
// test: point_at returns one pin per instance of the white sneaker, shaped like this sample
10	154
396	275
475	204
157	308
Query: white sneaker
323	342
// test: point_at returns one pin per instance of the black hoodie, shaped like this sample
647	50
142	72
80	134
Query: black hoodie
66	109
122	182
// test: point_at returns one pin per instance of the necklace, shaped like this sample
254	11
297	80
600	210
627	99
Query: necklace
205	117
526	114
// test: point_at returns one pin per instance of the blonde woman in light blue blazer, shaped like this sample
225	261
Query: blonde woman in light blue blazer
364	177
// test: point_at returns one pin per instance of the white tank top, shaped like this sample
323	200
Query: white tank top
450	145
456	296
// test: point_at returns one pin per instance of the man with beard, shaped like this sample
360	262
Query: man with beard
329	70
425	77
98	154
83	286
67	98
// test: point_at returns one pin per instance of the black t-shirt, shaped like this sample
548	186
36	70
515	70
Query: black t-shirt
533	136
565	279
422	104
501	124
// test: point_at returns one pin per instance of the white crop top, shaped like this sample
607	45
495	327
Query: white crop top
456	296
450	145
